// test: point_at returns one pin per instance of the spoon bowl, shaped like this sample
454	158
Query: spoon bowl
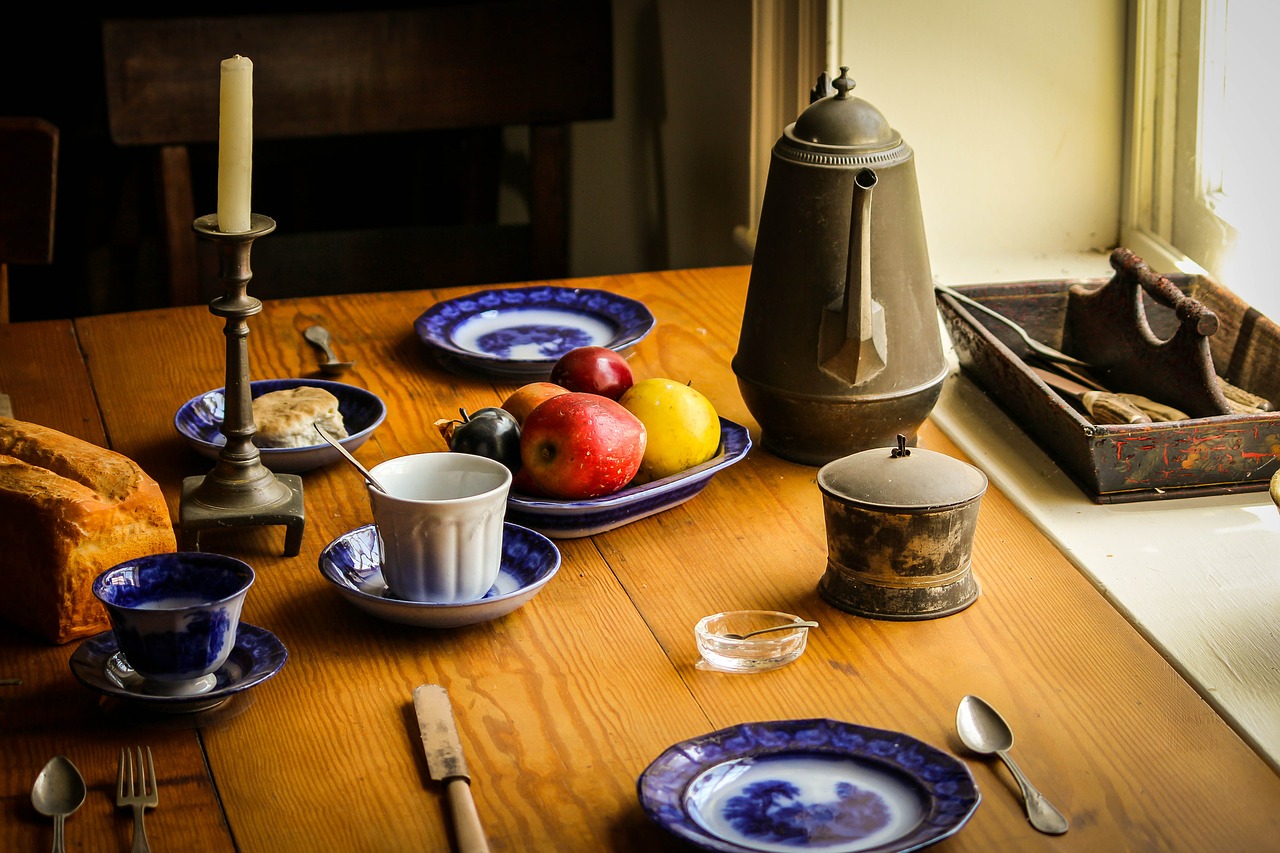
318	336
58	791
983	730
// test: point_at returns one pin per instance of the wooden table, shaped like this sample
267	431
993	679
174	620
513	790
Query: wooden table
563	703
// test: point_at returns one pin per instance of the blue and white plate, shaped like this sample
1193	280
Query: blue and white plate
199	421
521	332
803	785
99	665
353	564
571	519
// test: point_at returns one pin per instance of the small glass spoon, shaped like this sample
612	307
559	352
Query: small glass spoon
782	627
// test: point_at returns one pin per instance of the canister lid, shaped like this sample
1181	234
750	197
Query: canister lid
902	478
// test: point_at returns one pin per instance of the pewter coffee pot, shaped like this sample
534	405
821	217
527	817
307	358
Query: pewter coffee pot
840	348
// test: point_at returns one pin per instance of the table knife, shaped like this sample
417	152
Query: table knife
446	763
1103	406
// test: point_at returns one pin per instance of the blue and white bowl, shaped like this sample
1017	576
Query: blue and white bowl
199	421
175	616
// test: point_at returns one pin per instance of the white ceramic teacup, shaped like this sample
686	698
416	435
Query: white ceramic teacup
440	523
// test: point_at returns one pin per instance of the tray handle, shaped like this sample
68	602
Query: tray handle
1192	313
1108	328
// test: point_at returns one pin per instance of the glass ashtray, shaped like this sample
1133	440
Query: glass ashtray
752	654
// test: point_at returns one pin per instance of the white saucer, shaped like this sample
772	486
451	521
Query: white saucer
99	665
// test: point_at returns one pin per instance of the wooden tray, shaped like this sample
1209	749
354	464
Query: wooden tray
1209	455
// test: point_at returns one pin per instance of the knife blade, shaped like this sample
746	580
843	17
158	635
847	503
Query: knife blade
446	763
1103	406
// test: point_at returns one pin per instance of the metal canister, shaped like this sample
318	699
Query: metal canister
900	524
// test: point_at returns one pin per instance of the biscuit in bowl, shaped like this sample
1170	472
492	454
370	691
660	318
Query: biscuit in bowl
288	417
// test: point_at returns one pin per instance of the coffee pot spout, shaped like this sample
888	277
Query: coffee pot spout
851	342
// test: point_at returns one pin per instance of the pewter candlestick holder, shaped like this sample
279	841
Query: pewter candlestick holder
240	491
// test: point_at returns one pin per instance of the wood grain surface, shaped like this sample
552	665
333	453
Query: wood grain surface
562	704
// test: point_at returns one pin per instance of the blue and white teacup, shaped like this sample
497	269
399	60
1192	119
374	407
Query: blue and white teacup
175	616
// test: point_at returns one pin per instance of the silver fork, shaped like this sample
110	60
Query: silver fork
139	796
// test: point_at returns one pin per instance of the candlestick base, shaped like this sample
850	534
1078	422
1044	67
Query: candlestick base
239	491
210	503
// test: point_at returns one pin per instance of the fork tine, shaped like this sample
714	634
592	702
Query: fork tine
120	776
153	795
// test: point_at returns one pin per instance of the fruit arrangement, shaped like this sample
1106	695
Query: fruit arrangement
591	429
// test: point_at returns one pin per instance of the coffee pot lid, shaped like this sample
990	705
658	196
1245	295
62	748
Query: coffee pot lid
902	478
842	120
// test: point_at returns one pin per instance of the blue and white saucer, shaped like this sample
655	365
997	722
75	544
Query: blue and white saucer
353	564
802	785
99	665
521	332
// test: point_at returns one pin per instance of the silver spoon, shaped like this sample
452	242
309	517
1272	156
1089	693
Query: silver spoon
318	336
369	478
983	730
59	790
767	630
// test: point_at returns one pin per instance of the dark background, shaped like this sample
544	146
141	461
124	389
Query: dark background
107	251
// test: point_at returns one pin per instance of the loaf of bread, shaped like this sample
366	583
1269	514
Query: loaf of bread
68	511
288	417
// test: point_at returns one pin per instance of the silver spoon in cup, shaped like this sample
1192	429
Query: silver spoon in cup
369	478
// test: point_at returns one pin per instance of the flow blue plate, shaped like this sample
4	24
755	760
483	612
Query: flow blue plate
806	785
521	332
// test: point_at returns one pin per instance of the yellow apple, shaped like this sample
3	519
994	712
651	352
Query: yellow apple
681	423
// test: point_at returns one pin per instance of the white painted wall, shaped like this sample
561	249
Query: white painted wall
1014	109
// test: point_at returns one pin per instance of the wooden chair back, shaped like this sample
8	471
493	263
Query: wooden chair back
28	192
372	76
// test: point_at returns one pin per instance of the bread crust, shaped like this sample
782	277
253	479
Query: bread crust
69	510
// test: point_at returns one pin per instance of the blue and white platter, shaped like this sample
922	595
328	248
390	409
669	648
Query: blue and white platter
199	421
804	785
519	333
352	563
572	519
99	665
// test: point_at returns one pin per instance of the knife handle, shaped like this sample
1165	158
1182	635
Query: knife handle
1108	408
466	821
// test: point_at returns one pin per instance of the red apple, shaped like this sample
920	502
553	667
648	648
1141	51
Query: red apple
526	398
594	370
580	445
